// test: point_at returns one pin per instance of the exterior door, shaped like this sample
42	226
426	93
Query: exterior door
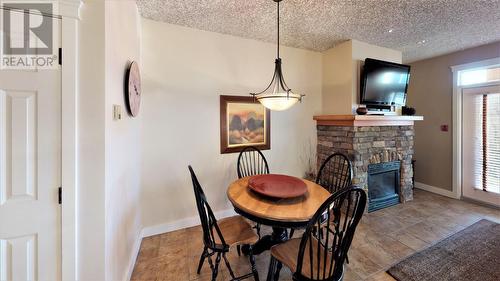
30	174
481	144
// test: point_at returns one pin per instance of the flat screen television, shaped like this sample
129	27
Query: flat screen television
384	83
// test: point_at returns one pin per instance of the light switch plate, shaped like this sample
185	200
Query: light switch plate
117	112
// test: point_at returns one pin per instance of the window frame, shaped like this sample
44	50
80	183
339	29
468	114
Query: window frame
460	72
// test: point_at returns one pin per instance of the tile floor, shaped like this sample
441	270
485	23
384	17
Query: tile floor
382	238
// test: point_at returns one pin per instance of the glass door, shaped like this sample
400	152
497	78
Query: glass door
481	144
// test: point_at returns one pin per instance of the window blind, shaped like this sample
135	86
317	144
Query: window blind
487	148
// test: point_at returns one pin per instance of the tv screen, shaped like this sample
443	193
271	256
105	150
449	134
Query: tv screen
384	83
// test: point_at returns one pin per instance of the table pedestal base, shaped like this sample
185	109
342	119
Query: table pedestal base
265	243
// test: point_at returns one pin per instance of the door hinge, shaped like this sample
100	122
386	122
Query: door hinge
59	192
60	56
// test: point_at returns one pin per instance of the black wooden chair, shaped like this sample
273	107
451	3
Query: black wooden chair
335	173
252	162
313	258
219	237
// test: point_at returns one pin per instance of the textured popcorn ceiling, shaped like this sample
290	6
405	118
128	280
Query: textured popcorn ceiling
445	25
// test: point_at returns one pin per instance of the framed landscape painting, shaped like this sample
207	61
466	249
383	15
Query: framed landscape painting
243	122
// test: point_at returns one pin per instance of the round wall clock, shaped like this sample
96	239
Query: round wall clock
133	89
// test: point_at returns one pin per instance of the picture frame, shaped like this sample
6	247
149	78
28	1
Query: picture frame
243	122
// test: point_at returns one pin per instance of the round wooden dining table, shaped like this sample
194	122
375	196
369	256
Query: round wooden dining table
280	214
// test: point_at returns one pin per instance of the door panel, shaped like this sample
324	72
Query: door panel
19	136
18	256
30	175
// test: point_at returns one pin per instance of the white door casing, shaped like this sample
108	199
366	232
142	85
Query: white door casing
457	106
30	174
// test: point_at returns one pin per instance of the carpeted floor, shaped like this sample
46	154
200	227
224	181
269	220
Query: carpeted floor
471	254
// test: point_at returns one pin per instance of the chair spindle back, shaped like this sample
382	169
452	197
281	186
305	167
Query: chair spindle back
321	257
251	162
335	173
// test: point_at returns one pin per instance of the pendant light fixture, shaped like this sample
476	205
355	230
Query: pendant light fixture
277	96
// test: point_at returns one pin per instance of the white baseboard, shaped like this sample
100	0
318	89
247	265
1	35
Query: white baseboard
182	223
436	190
167	227
133	257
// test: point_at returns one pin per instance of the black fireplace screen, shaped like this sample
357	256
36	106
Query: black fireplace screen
383	185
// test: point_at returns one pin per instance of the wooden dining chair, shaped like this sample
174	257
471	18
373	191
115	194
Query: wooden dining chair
220	236
252	162
313	258
335	173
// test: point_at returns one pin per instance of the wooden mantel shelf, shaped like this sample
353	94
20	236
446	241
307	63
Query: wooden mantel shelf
366	120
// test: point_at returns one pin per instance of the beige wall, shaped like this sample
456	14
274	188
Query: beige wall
361	51
337	79
184	72
430	92
341	72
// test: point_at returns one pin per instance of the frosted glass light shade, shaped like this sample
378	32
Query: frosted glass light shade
278	101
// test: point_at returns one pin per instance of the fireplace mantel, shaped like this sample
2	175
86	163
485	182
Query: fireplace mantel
366	120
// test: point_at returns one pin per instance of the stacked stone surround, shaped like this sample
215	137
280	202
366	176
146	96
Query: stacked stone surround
365	145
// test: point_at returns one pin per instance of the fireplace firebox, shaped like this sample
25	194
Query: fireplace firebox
383	185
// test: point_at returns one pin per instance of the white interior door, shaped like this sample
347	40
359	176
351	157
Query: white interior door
30	175
481	144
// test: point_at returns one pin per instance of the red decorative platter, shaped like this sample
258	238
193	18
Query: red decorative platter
278	186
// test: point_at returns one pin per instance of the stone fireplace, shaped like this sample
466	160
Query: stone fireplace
368	141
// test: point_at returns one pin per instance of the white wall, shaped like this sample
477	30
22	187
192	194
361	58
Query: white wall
91	143
109	151
184	72
123	141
